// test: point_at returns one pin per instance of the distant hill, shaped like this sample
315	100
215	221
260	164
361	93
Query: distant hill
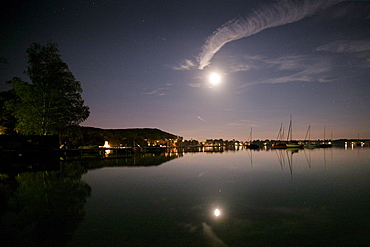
116	137
146	133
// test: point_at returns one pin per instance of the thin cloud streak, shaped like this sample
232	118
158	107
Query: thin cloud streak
211	236
152	92
301	68
314	73
346	46
194	84
281	63
186	65
274	15
201	119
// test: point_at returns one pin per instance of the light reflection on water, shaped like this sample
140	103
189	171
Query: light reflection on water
316	197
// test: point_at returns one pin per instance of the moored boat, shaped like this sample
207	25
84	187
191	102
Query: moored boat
291	143
294	144
251	145
279	144
309	145
325	143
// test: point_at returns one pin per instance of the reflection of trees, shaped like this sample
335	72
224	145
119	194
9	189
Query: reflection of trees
147	159
151	160
49	206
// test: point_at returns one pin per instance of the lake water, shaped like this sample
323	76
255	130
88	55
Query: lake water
318	197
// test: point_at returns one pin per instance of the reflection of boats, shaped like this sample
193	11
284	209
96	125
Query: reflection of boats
309	144
291	143
293	150
284	155
290	162
251	156
251	145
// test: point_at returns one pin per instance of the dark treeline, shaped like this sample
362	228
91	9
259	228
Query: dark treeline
90	136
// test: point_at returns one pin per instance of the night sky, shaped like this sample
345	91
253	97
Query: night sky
146	64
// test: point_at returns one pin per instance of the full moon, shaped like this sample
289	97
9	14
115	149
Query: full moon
214	79
217	212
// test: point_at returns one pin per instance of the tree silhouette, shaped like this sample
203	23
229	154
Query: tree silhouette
52	101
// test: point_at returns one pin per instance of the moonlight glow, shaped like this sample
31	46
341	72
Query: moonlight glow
214	79
217	212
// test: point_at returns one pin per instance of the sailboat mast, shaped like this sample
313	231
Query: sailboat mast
290	131
308	133
280	134
250	136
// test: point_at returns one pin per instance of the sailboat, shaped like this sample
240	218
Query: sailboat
291	143
251	145
280	144
309	145
325	144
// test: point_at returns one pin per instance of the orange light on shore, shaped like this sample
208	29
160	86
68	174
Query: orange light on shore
106	144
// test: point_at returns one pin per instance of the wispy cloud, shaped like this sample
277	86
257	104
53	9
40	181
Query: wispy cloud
159	91
274	15
152	92
294	68
346	46
211	236
288	62
156	92
186	65
201	119
355	53
247	63
260	62
194	84
309	73
241	68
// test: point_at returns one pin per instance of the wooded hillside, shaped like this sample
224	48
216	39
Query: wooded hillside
83	136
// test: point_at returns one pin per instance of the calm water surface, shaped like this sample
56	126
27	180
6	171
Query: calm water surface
314	197
318	197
